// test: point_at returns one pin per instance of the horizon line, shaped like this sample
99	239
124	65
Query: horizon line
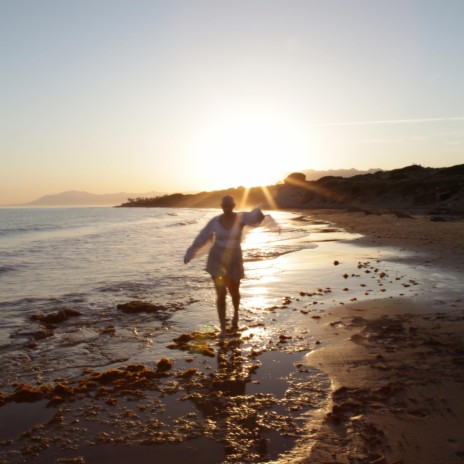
388	121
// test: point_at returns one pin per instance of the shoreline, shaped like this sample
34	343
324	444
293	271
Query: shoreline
442	241
376	381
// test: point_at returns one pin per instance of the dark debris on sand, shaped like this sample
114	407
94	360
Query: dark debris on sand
127	404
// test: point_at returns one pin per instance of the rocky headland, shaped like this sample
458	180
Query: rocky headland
435	191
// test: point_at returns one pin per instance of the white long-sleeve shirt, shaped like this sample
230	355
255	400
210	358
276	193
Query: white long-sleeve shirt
215	233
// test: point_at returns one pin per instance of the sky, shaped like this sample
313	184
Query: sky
191	95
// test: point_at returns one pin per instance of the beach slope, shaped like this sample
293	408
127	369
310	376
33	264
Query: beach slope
397	365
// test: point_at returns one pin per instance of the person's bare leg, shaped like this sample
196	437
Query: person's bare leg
234	290
221	292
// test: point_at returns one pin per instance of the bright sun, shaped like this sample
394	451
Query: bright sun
249	151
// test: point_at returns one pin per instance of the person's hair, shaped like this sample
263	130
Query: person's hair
228	200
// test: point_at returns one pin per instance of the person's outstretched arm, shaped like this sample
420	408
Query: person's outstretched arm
252	218
204	237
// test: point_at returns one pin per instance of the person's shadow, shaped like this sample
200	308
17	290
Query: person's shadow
231	375
226	404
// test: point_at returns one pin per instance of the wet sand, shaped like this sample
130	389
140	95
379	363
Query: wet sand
442	241
398	381
373	381
397	365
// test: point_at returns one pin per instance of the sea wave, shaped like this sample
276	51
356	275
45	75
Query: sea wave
7	268
303	218
184	223
7	231
124	287
257	254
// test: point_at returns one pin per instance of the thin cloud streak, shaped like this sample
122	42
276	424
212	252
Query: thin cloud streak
388	121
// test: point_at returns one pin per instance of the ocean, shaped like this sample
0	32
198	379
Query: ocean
84	263
92	259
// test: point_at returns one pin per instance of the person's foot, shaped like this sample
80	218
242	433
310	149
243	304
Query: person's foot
235	323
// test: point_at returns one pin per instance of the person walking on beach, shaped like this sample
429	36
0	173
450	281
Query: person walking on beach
225	260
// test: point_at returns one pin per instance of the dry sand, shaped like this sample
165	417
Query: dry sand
397	366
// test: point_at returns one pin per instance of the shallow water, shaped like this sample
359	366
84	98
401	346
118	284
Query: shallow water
92	259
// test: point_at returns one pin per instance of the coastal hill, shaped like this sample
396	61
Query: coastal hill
73	198
417	188
313	174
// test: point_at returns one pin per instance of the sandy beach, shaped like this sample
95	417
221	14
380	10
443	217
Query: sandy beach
397	366
372	380
443	241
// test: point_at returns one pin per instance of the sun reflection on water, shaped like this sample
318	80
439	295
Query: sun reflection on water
259	299
257	238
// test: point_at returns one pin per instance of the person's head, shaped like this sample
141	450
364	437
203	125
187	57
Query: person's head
228	204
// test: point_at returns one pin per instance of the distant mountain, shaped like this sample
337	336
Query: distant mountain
312	174
77	198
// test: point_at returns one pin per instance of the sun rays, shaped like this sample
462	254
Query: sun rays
269	203
248	147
